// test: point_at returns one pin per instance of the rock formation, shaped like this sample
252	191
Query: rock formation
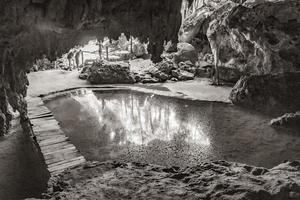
278	92
215	180
259	37
288	119
110	73
253	37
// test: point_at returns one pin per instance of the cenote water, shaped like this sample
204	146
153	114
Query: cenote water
129	126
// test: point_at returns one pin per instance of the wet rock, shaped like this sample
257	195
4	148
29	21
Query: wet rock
182	75
149	80
174	79
83	76
185	52
280	92
288	119
110	73
85	72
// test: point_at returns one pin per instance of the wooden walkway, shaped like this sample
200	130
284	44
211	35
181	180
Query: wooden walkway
59	154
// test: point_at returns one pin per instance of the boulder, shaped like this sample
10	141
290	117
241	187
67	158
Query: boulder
83	76
187	66
185	52
229	75
288	119
149	80
182	75
85	72
279	92
170	47
165	66
158	74
110	73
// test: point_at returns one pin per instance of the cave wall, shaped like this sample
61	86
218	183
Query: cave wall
254	36
31	28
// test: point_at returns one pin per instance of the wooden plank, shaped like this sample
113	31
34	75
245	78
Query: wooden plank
52	133
44	123
70	163
66	161
46	137
54	147
50	128
45	120
65	148
61	157
44	116
54	140
61	147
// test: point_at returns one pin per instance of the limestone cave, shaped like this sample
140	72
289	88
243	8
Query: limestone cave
140	99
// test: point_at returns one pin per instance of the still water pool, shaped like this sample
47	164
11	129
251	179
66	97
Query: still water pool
130	126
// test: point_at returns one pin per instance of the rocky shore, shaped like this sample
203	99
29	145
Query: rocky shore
215	180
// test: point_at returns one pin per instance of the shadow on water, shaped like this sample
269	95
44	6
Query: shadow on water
23	173
137	127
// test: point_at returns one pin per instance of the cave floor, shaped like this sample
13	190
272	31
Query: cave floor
45	82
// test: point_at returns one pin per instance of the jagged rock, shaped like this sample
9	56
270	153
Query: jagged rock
182	75
139	49
203	72
149	80
110	73
165	66
185	52
187	66
279	92
170	47
85	72
230	75
83	76
213	180
3	128
156	73
288	119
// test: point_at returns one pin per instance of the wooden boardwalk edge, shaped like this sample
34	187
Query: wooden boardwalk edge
58	152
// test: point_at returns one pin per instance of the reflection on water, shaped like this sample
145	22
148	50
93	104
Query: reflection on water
139	120
135	126
131	126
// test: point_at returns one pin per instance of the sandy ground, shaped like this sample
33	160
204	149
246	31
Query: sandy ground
45	82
